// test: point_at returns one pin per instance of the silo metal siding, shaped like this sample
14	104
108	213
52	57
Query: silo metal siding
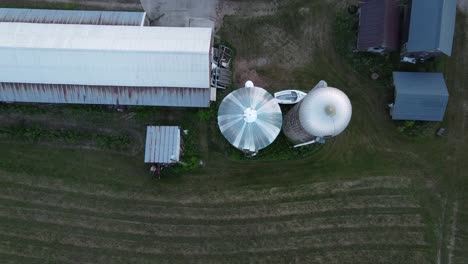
46	16
292	127
108	95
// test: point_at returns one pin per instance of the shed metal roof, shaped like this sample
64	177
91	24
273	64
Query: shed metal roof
419	96
47	16
105	55
379	24
162	144
432	26
108	95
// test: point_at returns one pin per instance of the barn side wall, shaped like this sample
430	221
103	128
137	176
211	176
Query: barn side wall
105	95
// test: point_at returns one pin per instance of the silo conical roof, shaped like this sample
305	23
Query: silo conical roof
250	118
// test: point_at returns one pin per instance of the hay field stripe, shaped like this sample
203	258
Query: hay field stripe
247	229
214	198
242	213
13	187
65	236
179	221
190	235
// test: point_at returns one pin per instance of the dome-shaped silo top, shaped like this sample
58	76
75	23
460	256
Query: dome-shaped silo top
250	118
325	112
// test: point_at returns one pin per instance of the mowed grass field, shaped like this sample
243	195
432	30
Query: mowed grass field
371	195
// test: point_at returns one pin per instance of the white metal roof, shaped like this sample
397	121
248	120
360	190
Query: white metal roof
105	55
162	144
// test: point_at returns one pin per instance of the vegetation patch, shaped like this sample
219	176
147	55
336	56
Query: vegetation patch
72	137
367	64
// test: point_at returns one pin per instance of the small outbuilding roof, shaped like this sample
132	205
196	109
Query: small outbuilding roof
379	22
432	26
46	16
162	144
419	96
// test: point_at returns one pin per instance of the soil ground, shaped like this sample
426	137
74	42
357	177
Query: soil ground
371	195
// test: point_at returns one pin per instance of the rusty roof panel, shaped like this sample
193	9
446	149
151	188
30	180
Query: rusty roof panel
108	95
162	144
46	16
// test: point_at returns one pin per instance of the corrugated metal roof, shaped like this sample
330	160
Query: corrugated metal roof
432	26
162	144
379	24
105	55
47	16
81	94
419	96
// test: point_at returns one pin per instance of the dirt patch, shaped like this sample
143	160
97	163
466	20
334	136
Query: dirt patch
273	42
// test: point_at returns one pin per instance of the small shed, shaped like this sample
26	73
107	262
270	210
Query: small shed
419	96
162	144
379	26
430	28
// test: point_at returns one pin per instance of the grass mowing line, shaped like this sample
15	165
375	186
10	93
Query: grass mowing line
227	246
146	220
59	252
67	254
8	257
176	238
228	221
352	256
264	195
248	212
283	199
323	224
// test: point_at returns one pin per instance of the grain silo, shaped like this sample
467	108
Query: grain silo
250	118
324	112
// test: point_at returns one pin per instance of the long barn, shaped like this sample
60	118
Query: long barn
98	64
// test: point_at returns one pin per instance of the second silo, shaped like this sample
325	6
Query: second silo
324	112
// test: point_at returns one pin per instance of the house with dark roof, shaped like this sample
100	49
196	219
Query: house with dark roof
429	28
419	96
379	26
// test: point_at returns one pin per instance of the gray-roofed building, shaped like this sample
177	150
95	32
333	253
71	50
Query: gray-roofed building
162	144
379	26
430	28
46	16
102	64
419	96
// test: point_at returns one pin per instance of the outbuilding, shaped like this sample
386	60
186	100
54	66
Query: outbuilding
163	145
419	96
379	26
429	28
101	64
